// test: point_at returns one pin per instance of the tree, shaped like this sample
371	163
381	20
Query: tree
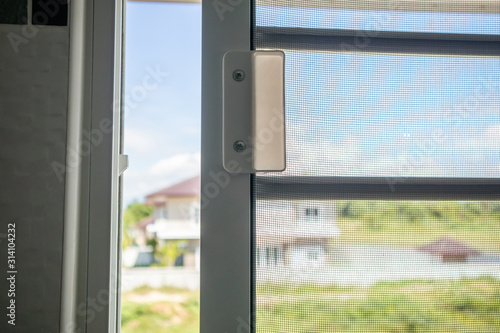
169	252
134	213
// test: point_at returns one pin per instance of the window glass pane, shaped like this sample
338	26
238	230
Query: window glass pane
160	277
50	12
13	11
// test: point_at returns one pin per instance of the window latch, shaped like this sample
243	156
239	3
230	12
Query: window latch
253	111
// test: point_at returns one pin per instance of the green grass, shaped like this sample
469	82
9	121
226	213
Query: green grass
416	306
412	224
144	290
467	305
167	316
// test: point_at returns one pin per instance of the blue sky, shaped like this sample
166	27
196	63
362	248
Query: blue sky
348	114
378	115
162	130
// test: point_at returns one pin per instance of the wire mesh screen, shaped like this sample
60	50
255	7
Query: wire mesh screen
387	91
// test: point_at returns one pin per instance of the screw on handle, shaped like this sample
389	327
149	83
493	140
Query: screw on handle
238	75
239	146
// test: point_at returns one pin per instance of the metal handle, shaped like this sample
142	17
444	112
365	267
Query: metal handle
253	111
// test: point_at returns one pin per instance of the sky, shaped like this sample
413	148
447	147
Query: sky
162	126
347	114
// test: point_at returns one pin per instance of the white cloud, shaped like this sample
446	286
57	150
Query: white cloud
346	158
477	149
165	172
324	158
178	164
138	140
404	165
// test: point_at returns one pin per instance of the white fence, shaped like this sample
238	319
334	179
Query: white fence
157	277
354	265
365	265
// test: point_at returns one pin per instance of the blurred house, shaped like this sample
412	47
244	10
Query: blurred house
142	253
295	233
138	256
450	250
176	219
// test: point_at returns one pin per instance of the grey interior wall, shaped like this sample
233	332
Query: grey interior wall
33	115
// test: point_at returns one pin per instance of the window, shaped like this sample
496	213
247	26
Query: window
13	11
312	256
42	12
380	104
392	115
50	12
268	256
161	212
161	101
311	211
196	214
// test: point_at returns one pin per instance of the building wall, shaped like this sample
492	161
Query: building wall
181	208
33	113
311	211
288	233
181	214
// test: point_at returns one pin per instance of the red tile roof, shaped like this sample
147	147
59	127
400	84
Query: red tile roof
449	246
187	188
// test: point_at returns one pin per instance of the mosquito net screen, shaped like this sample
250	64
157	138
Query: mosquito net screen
385	218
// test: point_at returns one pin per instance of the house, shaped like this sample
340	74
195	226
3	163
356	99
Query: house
450	250
176	218
295	233
142	254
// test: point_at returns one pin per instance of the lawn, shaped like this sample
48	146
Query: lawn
165	310
467	305
415	223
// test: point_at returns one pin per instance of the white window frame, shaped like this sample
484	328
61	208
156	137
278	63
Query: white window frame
92	232
226	254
